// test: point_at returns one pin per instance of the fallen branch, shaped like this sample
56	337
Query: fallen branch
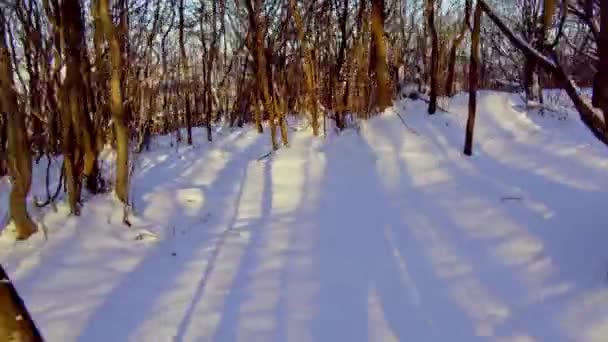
587	114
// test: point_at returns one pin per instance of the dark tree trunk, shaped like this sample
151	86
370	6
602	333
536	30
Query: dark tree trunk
16	324
600	90
473	70
434	55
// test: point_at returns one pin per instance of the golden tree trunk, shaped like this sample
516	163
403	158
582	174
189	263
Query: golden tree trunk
19	157
116	103
378	61
308	68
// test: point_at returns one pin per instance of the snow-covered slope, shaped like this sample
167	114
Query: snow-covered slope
385	234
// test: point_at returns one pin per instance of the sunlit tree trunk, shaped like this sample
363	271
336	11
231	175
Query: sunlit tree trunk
379	64
308	68
362	67
473	70
19	157
116	103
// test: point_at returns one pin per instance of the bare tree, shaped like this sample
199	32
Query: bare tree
307	66
449	83
19	157
116	102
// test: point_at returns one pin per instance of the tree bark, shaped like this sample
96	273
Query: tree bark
473	70
378	56
116	103
3	147
16	324
430	8
339	64
79	141
19	157
261	67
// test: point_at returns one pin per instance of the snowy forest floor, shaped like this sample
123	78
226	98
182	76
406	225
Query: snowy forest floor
384	234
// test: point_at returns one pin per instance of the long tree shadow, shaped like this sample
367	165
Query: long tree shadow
504	237
188	317
158	274
366	288
240	292
256	307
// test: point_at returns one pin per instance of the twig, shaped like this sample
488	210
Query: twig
406	125
51	199
510	198
265	156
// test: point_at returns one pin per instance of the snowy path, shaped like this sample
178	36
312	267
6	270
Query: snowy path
386	235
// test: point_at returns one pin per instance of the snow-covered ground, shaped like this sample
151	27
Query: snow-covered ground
388	233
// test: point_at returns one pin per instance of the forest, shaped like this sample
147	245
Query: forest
84	79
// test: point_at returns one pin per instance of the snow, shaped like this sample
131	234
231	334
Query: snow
384	233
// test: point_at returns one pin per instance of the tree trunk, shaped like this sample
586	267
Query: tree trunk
378	58
185	74
3	147
430	8
449	83
308	68
116	103
16	324
210	93
600	90
261	66
19	157
339	64
532	79
81	147
473	70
